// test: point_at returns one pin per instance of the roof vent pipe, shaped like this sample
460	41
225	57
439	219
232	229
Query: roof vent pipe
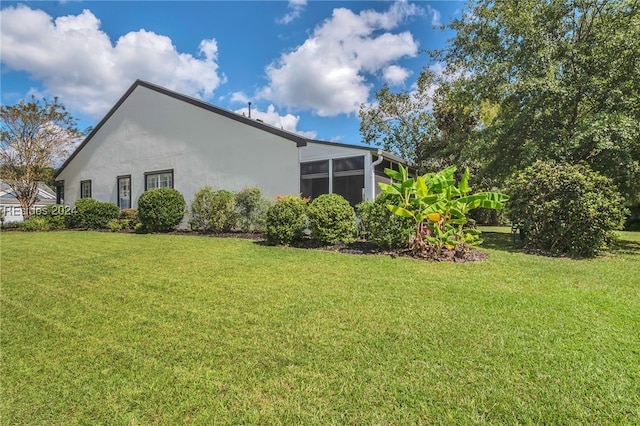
249	109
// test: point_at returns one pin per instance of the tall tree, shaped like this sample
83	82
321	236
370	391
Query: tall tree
36	135
564	78
400	122
428	126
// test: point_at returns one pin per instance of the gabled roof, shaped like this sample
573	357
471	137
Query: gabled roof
299	140
44	192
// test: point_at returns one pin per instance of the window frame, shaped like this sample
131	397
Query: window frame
158	172
342	174
82	187
318	175
59	185
118	180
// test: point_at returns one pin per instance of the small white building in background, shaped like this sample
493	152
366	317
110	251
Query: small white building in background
154	137
10	207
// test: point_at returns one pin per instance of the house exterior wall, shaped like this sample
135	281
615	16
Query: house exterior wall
150	131
315	151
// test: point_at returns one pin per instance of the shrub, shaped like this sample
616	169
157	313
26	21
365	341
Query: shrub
161	209
55	215
12	225
331	219
130	216
380	226
115	225
566	209
92	214
36	223
251	209
213	211
286	220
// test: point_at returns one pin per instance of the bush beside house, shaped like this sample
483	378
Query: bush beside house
331	219
161	209
213	211
286	220
91	214
380	226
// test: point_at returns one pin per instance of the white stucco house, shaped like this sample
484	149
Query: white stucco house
10	209
154	137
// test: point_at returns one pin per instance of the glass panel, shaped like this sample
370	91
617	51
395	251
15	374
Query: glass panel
350	187
124	192
313	188
160	180
165	180
85	189
315	167
151	181
60	193
351	163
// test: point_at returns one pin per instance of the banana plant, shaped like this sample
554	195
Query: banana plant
438	207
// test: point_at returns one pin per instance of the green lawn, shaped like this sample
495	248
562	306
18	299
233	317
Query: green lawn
126	329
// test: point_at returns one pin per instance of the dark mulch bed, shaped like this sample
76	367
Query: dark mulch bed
461	253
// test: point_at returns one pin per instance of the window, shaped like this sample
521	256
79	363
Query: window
348	178
59	184
314	178
159	179
124	192
85	189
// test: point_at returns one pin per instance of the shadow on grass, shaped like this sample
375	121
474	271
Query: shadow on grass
504	242
626	247
500	241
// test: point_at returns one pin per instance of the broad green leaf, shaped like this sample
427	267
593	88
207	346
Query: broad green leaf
421	187
400	211
389	189
393	174
464	182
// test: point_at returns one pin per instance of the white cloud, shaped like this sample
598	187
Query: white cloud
287	122
295	9
435	16
240	97
78	62
327	73
395	75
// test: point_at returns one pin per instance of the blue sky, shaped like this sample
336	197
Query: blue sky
306	66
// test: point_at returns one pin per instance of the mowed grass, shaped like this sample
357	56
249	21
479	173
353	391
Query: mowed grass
125	329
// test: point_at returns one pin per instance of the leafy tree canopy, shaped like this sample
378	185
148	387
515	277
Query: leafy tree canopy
400	122
563	79
525	80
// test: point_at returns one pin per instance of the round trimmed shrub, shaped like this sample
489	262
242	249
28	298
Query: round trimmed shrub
378	225
331	219
565	209
161	209
213	211
286	220
92	214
